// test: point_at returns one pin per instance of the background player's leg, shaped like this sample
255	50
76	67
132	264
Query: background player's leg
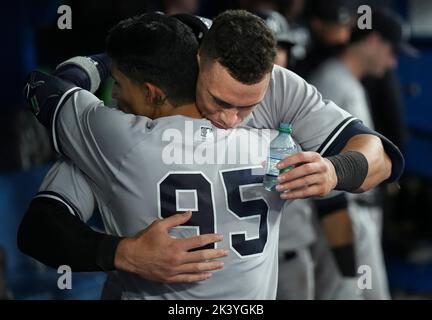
367	233
338	230
327	277
296	276
329	283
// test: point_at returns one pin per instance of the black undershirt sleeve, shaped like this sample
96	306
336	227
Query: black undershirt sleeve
52	235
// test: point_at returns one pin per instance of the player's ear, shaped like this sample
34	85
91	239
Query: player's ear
373	38
202	60
316	24
155	95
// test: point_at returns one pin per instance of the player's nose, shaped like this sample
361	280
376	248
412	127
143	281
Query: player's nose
393	63
230	117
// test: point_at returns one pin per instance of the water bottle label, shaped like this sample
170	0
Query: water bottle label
272	170
286	169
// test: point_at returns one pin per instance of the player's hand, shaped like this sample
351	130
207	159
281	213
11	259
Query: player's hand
312	176
154	255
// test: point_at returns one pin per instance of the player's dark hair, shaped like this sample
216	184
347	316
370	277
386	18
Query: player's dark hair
157	49
242	43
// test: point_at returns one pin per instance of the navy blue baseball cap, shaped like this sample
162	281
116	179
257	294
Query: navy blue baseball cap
279	26
332	11
392	28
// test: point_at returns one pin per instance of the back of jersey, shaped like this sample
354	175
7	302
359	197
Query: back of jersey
186	164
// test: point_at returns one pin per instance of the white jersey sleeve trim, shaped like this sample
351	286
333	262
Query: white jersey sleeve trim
58	198
334	135
54	120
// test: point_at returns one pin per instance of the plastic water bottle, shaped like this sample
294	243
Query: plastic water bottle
281	147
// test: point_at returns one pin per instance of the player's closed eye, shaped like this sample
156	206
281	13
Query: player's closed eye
221	103
226	105
115	83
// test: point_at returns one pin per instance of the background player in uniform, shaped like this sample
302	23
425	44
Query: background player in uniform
371	52
295	81
297	267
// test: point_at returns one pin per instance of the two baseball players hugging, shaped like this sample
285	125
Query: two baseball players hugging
185	230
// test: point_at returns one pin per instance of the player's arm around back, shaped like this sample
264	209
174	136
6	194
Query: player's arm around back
154	255
52	235
81	128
